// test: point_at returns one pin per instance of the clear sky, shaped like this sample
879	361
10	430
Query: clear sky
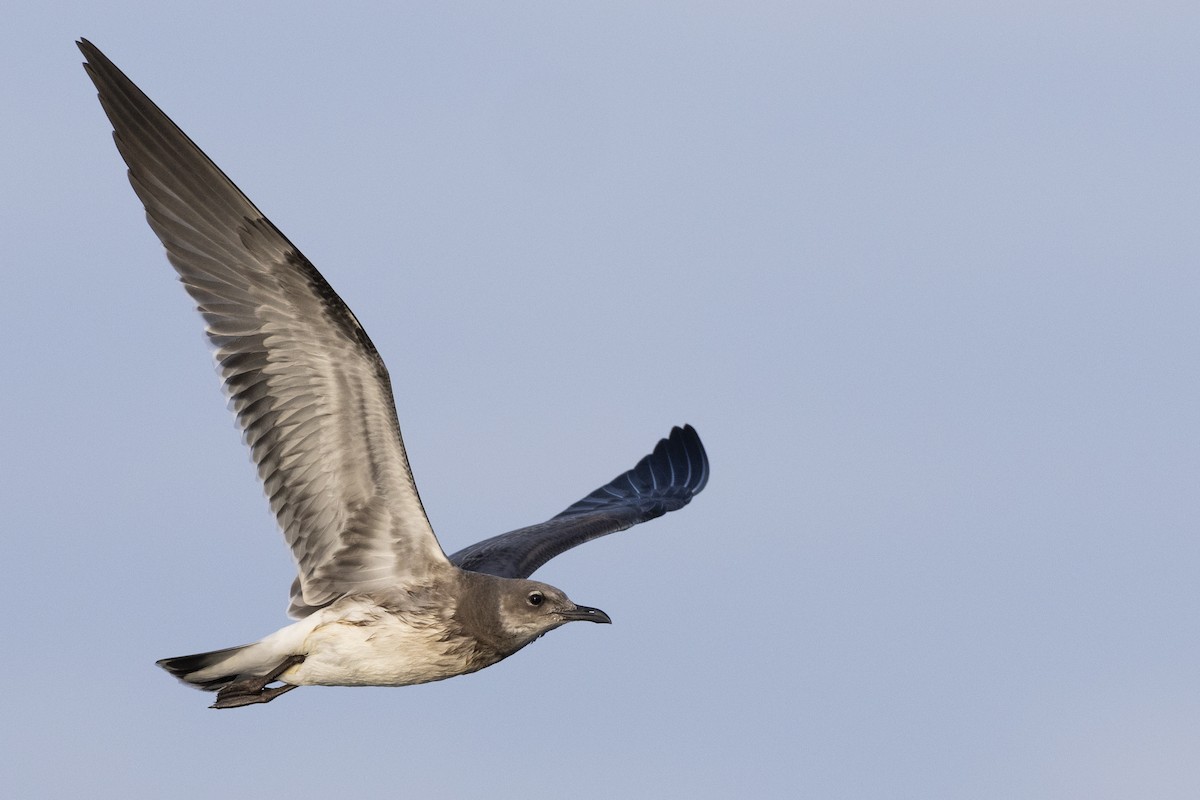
923	275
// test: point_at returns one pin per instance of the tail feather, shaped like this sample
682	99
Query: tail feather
197	669
248	666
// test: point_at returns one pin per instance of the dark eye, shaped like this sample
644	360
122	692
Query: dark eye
535	598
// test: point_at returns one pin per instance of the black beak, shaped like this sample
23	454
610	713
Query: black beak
585	614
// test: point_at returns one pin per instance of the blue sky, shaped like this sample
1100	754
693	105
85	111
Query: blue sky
923	276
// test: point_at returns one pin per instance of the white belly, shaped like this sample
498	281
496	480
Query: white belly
371	647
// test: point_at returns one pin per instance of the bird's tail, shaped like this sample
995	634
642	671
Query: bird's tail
250	664
214	670
240	676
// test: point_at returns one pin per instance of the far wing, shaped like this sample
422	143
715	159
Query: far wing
665	480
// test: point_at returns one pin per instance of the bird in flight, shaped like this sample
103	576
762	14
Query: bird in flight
377	601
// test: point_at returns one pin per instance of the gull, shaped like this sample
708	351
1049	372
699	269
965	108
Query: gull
377	601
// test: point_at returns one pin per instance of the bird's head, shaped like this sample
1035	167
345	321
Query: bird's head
529	609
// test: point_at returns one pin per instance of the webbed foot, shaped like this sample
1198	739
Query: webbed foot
254	689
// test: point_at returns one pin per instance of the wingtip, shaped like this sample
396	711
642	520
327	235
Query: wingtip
94	59
688	440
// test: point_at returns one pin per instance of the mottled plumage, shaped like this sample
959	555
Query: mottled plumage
378	601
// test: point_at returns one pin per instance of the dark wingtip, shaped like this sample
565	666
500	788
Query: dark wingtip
687	448
96	63
678	461
89	50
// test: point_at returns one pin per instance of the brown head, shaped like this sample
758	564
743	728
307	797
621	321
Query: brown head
507	614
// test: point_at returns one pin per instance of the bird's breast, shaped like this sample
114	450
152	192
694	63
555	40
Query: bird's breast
378	647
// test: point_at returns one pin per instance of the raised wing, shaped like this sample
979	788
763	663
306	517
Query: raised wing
665	480
310	392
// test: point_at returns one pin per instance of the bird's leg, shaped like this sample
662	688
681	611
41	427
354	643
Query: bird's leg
253	689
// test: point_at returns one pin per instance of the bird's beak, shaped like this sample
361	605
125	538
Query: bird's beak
585	614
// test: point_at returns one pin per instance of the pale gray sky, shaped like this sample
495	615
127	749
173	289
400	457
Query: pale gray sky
923	276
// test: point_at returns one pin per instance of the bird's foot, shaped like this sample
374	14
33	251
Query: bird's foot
254	688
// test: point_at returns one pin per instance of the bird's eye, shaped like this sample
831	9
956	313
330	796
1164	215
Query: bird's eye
536	598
